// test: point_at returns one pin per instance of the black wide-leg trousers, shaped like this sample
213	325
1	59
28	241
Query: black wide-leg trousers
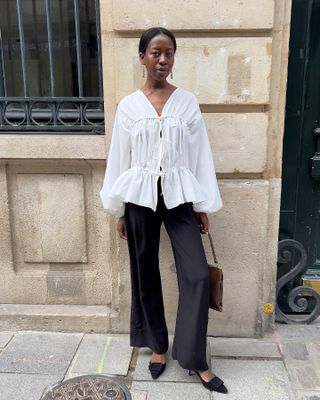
148	326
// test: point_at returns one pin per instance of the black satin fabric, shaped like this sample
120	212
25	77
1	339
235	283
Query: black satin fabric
148	325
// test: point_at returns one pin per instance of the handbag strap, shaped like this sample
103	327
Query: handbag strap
212	248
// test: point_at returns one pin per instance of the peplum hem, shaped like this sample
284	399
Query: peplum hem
179	185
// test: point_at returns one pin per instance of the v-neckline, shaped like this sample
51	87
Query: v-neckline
165	104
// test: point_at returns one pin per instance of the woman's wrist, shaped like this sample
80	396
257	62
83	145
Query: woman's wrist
203	222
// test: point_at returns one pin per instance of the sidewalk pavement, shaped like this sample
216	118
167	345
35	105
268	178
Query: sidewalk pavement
284	365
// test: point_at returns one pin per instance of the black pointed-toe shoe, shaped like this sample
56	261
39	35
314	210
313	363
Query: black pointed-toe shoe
156	369
215	383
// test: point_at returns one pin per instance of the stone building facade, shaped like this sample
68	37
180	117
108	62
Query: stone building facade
59	249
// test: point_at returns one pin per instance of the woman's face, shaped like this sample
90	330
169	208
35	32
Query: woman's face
159	57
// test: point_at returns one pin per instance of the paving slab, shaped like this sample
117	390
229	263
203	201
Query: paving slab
5	337
70	375
25	386
173	390
303	374
294	331
307	395
248	348
295	350
39	353
313	348
173	372
105	354
253	379
316	364
139	394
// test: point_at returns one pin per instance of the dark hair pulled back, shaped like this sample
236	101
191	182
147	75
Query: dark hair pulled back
150	33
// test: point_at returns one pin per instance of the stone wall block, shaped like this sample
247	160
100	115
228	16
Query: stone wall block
59	233
216	70
239	141
192	14
50	213
240	233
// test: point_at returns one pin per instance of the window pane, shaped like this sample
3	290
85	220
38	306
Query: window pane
11	48
63	47
50	55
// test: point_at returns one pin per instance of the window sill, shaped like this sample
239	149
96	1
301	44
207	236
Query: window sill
88	147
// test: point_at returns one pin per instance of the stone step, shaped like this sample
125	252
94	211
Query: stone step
56	318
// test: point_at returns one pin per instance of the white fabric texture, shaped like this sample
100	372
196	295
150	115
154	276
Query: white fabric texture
145	146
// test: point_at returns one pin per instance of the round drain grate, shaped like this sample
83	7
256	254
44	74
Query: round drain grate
89	387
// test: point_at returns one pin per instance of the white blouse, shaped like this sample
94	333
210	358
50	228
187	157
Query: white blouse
145	146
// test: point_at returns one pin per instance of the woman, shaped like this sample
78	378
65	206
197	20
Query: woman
160	169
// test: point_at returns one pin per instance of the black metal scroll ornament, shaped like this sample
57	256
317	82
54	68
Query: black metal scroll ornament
297	297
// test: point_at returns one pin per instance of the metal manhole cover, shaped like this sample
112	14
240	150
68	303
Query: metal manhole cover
88	387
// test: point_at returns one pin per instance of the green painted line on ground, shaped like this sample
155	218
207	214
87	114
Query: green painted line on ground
104	355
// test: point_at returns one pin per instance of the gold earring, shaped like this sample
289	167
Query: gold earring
171	76
143	72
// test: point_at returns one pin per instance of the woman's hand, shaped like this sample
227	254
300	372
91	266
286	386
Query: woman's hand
203	222
121	228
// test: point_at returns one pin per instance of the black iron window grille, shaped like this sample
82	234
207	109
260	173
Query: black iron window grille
50	66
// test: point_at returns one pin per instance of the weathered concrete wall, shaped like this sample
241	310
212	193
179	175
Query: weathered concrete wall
233	57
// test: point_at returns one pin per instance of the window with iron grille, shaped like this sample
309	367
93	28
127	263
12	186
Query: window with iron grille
50	66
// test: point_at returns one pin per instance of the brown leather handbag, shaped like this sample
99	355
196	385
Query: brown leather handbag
215	281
